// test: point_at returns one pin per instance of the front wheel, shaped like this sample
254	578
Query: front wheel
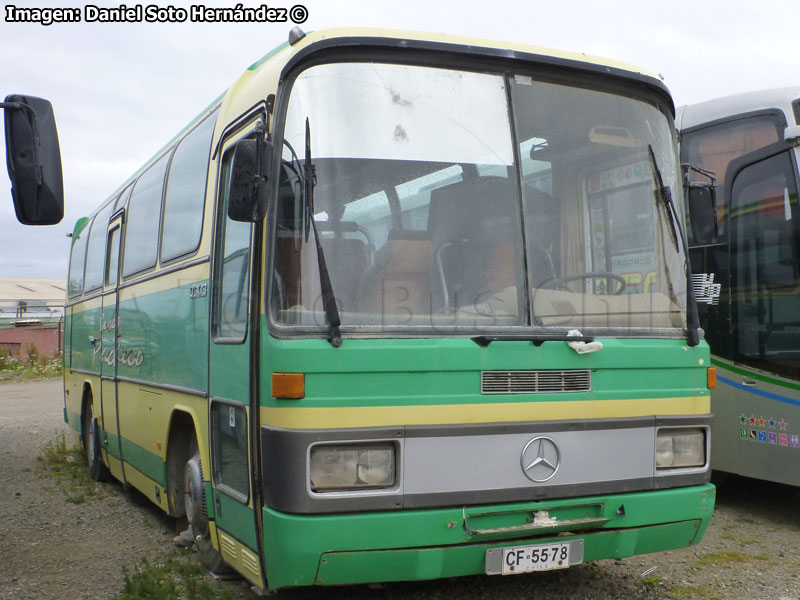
197	513
91	445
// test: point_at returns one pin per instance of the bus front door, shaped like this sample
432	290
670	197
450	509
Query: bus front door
235	525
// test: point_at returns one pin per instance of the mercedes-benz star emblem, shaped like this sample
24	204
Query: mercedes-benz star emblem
540	459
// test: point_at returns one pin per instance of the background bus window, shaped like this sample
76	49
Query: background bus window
144	214
766	288
185	195
714	148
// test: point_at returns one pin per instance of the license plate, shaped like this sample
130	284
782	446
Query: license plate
539	557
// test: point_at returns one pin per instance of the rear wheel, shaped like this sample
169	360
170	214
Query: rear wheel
197	513
91	444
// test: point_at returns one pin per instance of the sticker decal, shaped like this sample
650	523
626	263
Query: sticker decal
773	437
743	433
762	436
794	441
705	290
783	439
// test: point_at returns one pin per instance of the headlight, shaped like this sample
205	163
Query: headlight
351	467
680	448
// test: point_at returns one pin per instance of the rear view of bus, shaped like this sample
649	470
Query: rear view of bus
435	322
747	276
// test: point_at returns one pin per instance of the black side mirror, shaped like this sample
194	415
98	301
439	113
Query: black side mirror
33	157
703	212
249	184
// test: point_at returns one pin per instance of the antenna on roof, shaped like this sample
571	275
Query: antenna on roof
295	35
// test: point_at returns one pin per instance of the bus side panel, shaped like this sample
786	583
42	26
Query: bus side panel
162	350
85	327
163	330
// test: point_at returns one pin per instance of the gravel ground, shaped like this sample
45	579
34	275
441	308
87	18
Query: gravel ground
51	549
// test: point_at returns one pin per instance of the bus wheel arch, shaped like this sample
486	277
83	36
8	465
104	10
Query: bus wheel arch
90	437
186	487
182	436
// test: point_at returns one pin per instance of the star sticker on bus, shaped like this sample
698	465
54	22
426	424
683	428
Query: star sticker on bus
772	423
761	421
752	420
783	425
742	419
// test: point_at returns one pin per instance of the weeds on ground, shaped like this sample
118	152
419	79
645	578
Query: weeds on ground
728	557
34	366
695	591
174	579
652	581
67	464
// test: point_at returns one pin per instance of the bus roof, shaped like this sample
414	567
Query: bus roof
264	73
692	115
365	34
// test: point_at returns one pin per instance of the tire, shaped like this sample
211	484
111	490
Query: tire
91	444
197	514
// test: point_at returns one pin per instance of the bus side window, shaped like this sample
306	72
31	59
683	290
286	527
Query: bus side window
112	257
144	214
229	445
232	268
95	253
185	193
76	263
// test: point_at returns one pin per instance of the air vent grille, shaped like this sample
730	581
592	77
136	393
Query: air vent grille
535	382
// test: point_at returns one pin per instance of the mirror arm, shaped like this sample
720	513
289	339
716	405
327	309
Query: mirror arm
688	168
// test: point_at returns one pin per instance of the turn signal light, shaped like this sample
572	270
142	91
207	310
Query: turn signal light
712	377
288	386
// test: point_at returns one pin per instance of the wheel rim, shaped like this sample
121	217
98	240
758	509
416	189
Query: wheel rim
195	497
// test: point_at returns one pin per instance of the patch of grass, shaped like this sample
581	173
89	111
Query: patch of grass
174	579
728	557
694	591
67	464
652	581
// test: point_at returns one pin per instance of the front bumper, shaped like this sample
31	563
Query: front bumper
428	544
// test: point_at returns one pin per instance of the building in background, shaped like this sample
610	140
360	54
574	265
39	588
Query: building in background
31	315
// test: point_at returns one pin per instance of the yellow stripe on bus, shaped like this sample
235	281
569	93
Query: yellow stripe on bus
372	416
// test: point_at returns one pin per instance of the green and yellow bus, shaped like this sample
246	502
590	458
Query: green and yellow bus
747	276
401	306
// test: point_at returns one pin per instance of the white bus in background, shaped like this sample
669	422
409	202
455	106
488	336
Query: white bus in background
747	281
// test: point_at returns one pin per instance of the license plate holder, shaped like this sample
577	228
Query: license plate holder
528	558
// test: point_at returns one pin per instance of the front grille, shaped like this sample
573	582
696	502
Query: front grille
535	382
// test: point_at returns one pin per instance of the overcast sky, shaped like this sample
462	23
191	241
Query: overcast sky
120	91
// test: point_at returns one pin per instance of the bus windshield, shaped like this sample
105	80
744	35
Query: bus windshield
451	200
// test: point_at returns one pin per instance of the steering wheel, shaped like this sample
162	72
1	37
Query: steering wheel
558	281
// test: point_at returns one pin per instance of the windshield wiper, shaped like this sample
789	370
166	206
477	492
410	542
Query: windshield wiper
328	299
666	194
693	321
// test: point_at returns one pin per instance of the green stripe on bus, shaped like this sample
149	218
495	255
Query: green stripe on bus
148	463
